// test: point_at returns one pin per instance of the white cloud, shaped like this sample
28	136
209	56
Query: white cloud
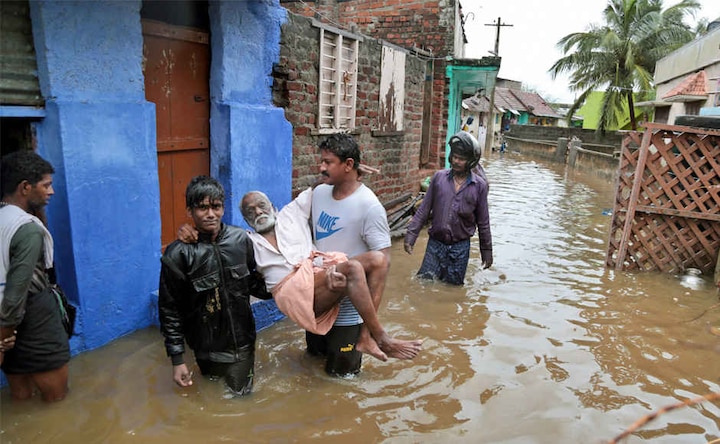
528	47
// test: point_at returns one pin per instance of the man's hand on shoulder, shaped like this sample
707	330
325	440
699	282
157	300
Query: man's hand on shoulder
187	234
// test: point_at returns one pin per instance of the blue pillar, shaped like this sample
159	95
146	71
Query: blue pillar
250	138
99	134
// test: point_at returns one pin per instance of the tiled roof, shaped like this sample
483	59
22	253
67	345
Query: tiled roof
692	85
506	100
535	104
477	104
532	103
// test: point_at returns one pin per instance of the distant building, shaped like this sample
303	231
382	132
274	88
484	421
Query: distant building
591	111
687	81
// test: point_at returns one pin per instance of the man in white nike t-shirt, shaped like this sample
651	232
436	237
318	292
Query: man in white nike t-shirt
346	217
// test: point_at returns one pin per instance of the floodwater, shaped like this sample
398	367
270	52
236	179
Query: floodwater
548	346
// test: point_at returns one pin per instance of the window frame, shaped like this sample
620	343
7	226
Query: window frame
337	79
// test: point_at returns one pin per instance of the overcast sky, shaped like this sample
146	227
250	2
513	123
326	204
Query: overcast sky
528	48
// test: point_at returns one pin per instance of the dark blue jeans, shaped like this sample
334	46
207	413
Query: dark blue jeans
447	263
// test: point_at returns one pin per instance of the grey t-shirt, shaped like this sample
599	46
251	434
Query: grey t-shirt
354	225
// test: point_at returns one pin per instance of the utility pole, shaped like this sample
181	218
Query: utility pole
497	25
490	130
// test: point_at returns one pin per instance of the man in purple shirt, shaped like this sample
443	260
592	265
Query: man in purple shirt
457	199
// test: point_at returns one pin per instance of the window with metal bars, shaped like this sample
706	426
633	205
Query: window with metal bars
338	81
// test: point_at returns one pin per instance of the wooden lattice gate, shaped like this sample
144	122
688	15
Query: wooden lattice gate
666	214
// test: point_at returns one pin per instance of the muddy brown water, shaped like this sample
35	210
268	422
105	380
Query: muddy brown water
548	346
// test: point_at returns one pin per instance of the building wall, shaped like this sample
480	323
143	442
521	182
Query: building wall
296	89
423	24
671	70
591	110
99	133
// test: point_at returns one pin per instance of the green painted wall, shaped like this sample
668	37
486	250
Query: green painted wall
590	111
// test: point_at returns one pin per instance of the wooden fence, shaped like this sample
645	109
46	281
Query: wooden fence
666	214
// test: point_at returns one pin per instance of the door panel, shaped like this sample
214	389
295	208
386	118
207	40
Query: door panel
175	170
177	73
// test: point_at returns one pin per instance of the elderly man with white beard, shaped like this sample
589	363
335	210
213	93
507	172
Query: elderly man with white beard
307	285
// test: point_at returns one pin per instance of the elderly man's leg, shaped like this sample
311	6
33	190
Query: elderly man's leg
359	293
376	266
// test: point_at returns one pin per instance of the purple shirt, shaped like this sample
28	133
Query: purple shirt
454	215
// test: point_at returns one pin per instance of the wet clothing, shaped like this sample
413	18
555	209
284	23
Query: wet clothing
238	373
354	225
295	295
12	219
204	300
338	349
289	271
446	263
294	239
455	217
41	342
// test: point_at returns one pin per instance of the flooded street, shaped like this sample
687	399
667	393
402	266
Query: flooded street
548	346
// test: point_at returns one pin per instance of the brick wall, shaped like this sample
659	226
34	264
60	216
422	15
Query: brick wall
295	89
427	25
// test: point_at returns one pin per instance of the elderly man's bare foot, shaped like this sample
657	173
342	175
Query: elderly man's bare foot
399	349
366	344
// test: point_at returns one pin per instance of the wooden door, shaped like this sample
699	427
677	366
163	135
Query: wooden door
176	64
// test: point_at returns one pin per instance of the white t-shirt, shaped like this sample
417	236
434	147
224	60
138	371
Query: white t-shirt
354	225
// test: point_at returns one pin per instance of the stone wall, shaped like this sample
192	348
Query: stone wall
598	159
295	89
608	142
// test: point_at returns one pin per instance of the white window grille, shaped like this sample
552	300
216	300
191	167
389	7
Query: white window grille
338	81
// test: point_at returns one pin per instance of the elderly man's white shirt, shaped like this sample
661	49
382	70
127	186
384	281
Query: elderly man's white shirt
294	239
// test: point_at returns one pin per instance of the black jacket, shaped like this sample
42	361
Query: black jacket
205	293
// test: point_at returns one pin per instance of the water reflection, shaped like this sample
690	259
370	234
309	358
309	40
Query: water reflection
548	346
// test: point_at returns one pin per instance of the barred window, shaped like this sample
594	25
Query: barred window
338	81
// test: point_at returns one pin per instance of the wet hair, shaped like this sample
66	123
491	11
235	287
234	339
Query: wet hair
344	146
19	166
201	187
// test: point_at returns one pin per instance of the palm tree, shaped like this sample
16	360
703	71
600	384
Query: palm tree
619	56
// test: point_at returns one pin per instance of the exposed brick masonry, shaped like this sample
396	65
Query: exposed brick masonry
295	89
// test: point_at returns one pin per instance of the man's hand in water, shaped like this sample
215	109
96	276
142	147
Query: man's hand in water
182	376
187	234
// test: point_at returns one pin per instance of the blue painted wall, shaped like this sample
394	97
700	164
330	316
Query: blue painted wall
99	133
251	140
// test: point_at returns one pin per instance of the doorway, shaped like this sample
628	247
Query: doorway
176	66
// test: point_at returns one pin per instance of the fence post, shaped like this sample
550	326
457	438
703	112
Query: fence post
572	152
561	149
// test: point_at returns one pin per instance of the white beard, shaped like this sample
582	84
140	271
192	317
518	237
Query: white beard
267	225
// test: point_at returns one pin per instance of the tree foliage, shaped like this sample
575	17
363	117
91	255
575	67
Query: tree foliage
618	57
